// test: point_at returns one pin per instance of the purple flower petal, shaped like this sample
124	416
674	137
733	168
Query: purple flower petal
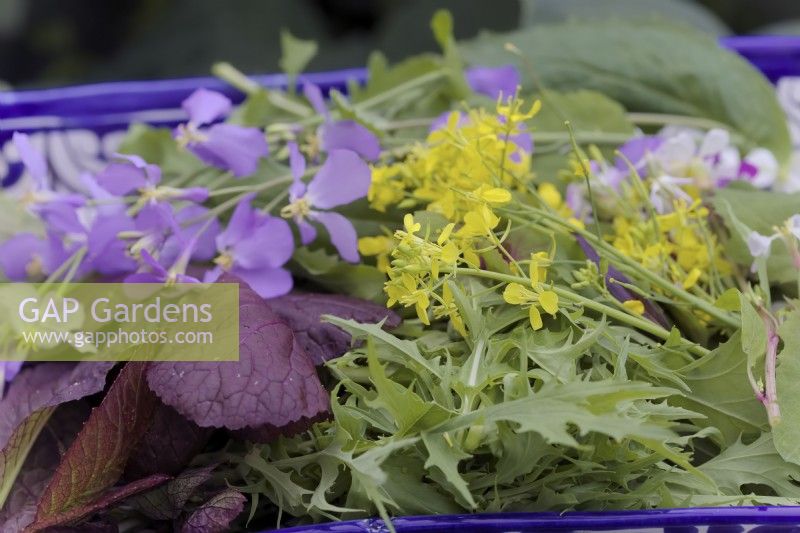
297	162
106	252
270	245
205	245
193	194
343	234
343	178
231	147
493	81
242	222
204	106
60	216
267	282
307	232
636	150
32	158
135	173
314	95
350	135
17	253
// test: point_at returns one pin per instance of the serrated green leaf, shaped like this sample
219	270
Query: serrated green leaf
295	55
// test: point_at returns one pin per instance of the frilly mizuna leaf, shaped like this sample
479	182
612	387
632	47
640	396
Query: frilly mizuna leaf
274	383
95	460
322	340
216	514
30	401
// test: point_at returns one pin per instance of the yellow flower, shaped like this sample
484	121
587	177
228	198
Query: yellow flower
550	195
538	296
379	246
635	307
691	278
481	221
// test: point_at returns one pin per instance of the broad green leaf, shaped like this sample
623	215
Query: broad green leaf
589	112
647	68
295	55
156	145
787	432
759	211
720	390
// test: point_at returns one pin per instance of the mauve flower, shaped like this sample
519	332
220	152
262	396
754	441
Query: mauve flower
155	273
191	224
494	82
227	146
133	174
39	194
26	256
254	247
343	178
341	134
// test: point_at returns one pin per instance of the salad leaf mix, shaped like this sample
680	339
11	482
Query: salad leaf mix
550	270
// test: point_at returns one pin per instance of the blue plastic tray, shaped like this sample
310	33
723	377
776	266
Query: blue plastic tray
78	126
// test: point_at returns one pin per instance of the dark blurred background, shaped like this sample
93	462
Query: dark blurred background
54	42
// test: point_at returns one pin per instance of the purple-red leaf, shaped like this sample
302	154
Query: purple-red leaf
216	515
273	383
20	507
168	501
322	341
95	460
104	501
168	445
48	385
30	401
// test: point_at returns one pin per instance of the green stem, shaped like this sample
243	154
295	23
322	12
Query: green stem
635	321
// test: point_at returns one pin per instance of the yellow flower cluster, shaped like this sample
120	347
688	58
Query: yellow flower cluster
679	246
472	159
416	265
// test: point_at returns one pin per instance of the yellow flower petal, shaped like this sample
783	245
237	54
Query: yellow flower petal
634	306
445	234
411	226
691	279
515	294
549	301
550	195
496	196
535	318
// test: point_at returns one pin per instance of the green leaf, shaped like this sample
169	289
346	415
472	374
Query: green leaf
156	145
587	111
446	457
759	211
409	412
787	431
648	68
742	465
720	390
754	332
295	55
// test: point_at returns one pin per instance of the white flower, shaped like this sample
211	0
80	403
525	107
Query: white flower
763	168
759	245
